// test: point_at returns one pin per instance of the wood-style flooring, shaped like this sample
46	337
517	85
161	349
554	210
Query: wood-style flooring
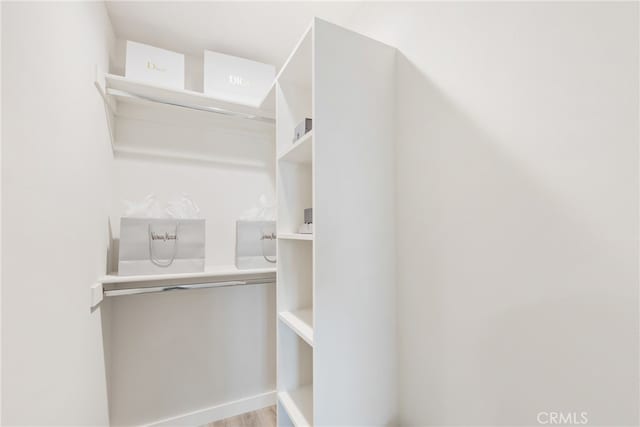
265	417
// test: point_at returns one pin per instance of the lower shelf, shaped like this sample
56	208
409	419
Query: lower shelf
299	405
211	272
301	322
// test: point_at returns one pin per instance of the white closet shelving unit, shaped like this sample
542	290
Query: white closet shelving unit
156	103
335	290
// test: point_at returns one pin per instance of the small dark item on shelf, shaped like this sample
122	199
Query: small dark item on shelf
302	128
307	227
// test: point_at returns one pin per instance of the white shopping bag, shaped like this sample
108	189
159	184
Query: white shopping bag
157	246
255	244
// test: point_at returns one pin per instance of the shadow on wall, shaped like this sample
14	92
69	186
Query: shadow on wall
517	303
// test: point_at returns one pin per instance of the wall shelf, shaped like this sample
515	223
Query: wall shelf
211	275
300	151
300	321
298	404
128	90
295	236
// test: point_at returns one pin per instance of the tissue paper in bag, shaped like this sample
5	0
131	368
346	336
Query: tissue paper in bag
157	240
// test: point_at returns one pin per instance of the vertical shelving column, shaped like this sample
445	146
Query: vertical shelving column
354	357
294	184
336	289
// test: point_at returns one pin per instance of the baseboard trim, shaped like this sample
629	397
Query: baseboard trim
219	412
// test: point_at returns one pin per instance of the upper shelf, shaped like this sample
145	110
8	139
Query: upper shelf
128	90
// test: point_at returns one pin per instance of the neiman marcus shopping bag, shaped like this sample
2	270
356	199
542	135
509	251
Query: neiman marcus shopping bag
157	246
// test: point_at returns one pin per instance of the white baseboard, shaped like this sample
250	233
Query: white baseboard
219	412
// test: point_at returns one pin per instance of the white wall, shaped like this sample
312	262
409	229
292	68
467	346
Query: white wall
183	352
517	206
178	353
54	222
0	214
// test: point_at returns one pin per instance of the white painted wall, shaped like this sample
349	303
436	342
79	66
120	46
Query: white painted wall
1	214
178	353
56	199
517	207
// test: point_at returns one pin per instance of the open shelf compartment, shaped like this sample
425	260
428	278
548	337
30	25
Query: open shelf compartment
295	275
301	322
295	377
301	151
298	405
294	186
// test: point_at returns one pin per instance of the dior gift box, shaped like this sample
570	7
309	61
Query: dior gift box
154	65
235	79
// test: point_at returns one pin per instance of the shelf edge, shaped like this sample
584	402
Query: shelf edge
296	236
297	325
295	413
297	145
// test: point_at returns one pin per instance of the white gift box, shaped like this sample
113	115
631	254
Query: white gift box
255	244
236	79
157	246
154	65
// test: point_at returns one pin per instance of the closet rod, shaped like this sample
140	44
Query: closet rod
222	111
156	289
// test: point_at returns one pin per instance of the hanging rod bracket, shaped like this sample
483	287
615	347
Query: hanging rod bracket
97	294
